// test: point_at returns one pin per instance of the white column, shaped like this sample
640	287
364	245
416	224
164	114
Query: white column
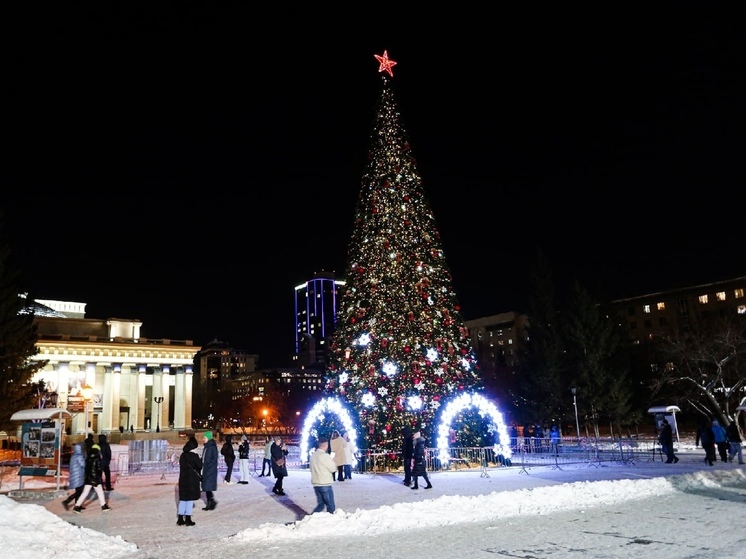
139	415
179	402
105	423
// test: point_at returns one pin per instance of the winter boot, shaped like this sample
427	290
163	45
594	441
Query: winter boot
211	504
77	510
429	485
180	521
188	520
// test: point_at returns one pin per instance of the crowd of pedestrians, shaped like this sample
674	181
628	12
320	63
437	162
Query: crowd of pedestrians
331	460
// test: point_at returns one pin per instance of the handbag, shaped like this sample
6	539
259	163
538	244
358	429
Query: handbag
280	461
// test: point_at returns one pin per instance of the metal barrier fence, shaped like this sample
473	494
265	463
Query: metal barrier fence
158	457
528	454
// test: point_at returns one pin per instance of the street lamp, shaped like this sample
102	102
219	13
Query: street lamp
158	400
87	392
574	391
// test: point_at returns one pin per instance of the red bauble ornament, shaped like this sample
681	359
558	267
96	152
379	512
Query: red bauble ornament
457	307
407	349
438	380
388	427
352	320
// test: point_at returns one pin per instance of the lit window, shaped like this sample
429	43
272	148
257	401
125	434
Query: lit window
661	306
741	309
646	309
720	295
703	299
738	293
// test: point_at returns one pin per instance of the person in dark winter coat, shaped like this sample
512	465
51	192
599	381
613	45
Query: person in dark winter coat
105	462
92	480
707	439
734	439
279	451
666	440
419	463
76	476
229	455
89	442
209	469
190	466
407	448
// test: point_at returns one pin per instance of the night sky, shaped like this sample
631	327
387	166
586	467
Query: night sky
189	170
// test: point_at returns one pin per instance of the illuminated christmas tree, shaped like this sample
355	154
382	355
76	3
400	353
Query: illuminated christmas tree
400	350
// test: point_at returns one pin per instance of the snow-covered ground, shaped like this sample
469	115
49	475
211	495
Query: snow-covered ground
607	510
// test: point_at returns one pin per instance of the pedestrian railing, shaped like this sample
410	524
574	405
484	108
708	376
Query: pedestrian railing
162	459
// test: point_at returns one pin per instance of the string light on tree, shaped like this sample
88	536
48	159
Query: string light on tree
400	349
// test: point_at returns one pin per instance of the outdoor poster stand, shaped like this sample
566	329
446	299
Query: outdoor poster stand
666	412
41	437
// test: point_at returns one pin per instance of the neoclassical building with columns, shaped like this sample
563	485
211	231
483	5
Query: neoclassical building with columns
137	383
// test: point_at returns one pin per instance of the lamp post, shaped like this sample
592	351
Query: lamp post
158	400
87	392
574	391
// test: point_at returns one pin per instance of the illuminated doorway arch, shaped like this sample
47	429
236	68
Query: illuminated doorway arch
317	413
485	408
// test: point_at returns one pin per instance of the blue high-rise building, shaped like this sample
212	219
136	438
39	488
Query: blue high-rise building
315	318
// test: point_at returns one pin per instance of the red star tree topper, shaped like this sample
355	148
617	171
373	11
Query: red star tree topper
386	65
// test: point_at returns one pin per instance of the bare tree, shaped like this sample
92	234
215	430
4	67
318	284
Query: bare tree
704	366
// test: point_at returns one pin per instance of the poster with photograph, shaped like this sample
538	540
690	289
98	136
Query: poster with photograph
40	443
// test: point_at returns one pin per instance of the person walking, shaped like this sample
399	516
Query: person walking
92	480
707	440
76	475
734	438
322	477
190	466
209	470
666	440
243	460
105	462
721	440
339	448
229	455
279	452
267	460
407	449
419	463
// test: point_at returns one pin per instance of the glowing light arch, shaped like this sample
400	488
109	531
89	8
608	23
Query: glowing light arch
326	405
484	408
